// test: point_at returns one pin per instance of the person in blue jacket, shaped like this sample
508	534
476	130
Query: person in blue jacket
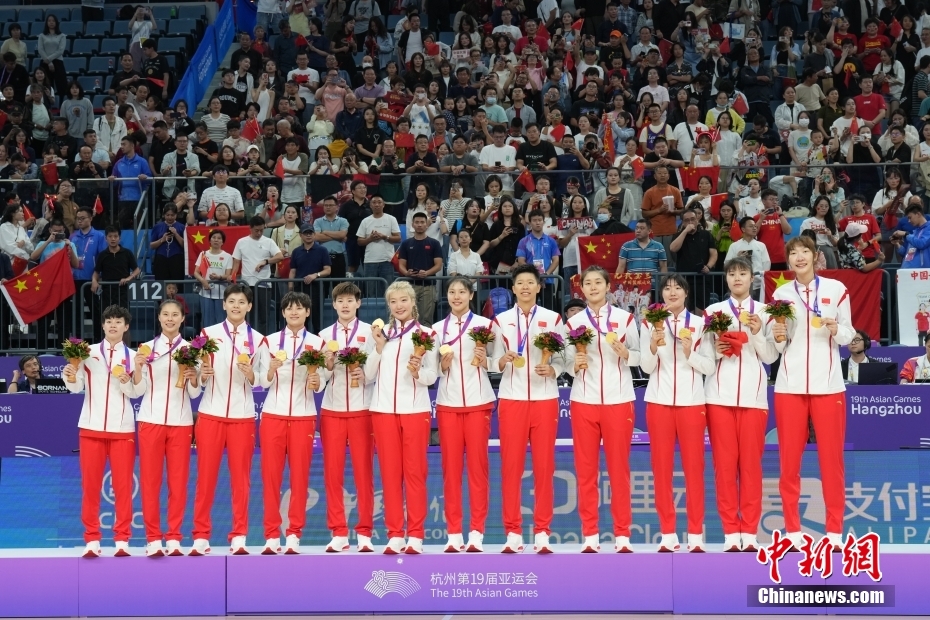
914	246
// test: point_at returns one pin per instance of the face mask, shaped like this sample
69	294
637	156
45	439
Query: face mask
804	122
603	217
491	100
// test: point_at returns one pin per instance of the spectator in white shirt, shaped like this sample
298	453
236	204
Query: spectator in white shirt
252	258
221	193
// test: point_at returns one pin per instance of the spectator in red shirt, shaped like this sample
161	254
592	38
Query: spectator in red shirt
532	27
773	226
871	45
859	216
870	106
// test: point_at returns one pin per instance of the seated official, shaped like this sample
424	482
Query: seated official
24	379
858	346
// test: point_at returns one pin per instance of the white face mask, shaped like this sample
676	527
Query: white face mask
603	217
804	122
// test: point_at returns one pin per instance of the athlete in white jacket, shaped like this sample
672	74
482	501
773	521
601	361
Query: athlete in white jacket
528	410
602	408
675	407
737	408
288	421
464	403
345	419
810	386
401	417
227	419
107	430
166	427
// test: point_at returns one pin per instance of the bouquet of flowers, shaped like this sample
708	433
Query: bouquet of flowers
581	337
781	310
718	322
549	343
204	347
422	342
481	336
352	358
75	350
656	314
312	359
186	357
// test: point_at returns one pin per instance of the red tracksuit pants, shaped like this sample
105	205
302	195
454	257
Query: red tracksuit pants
402	441
161	445
95	448
291	439
613	424
737	441
237	436
828	412
464	432
337	431
687	423
537	423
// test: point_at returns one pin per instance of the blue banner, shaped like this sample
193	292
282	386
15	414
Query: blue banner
224	29
246	16
199	73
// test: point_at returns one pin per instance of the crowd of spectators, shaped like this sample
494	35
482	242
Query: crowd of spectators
351	149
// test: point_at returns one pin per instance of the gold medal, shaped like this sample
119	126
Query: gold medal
444	349
744	317
243	358
118	371
280	355
377	323
332	345
816	322
684	332
520	362
612	337
145	349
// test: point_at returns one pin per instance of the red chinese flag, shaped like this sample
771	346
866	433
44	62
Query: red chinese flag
895	28
158	83
3	118
301	41
212	211
740	105
864	289
715	201
854	126
432	49
639	167
40	290
272	207
609	147
204	264
557	132
404	140
602	250
50	173
98	206
279	168
197	239
725	46
526	180
578	25
251	130
692	177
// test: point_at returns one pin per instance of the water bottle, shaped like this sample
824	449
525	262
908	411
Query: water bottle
174	12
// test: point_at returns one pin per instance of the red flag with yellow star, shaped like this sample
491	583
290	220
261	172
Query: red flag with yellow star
197	239
602	250
39	290
865	290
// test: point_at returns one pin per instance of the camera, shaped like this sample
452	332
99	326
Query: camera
59	236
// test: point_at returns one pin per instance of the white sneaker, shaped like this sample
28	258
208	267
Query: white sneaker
749	543
154	549
456	543
415	546
541	543
292	545
732	542
514	543
475	542
272	546
837	541
669	543
174	548
92	549
591	544
338	543
696	543
364	544
797	539
237	546
201	547
394	546
622	545
122	549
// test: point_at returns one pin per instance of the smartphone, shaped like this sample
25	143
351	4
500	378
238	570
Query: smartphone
701	151
751	40
497	164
